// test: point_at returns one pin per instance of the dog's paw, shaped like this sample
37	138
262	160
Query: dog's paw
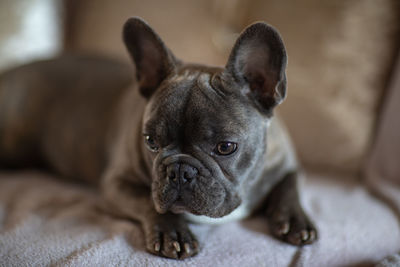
292	227
171	241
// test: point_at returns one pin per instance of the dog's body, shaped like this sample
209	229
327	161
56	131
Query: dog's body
211	148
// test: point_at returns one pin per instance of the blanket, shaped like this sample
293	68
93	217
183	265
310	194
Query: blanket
45	221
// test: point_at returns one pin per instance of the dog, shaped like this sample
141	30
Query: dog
179	142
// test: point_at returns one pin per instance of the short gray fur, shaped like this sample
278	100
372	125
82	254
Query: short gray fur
88	117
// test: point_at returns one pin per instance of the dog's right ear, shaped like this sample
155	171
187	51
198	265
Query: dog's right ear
153	60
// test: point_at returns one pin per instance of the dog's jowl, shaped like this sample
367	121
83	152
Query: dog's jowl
168	142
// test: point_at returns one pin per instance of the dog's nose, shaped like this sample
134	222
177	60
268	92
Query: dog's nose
187	173
181	173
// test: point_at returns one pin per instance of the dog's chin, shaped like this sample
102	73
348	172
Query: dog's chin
178	207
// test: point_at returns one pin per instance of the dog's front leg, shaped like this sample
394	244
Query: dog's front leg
286	217
166	234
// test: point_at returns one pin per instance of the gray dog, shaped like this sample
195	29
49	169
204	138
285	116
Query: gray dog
186	142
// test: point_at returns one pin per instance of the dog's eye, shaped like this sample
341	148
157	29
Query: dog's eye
226	148
151	143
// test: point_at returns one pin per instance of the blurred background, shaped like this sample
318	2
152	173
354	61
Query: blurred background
341	54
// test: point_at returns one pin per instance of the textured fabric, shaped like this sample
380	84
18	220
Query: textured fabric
383	168
44	221
391	261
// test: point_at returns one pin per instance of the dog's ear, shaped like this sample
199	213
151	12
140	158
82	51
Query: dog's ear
153	60
258	62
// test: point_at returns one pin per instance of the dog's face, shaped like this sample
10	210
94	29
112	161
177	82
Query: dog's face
204	129
202	140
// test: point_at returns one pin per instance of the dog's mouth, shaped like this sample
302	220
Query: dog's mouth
178	206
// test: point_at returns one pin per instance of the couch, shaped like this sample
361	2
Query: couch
344	94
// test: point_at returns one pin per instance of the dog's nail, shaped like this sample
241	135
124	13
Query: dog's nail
174	254
177	246
304	235
187	248
157	246
284	228
195	245
312	235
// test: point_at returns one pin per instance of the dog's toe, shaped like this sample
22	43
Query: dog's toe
170	242
294	229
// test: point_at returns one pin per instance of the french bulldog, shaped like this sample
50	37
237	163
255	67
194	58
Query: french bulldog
179	142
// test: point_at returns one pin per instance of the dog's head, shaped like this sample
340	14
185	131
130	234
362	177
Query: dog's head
204	128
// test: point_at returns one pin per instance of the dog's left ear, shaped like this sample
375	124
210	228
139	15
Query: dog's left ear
153	60
258	62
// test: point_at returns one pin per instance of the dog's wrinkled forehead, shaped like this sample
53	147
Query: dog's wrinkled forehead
189	101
